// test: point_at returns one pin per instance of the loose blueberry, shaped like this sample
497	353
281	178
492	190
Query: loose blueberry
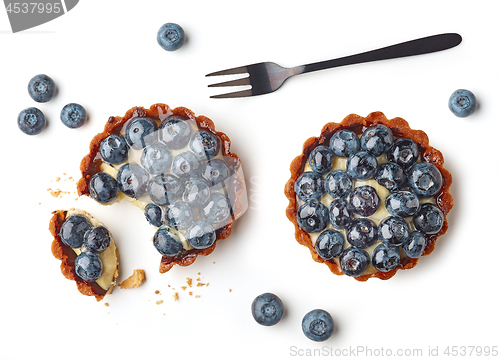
309	185
386	257
424	179
132	180
167	242
429	219
204	144
364	200
354	261
103	188
73	115
402	203
312	216
393	230
41	88
165	189
391	176
338	184
344	143
88	266
201	235
403	152
179	215
362	233
175	132
317	325
218	209
415	245
156	159
196	192
361	165
462	103
321	159
186	165
267	309
340	214
141	132
73	231
215	172
153	214
31	121
329	244
170	37
114	149
376	139
97	239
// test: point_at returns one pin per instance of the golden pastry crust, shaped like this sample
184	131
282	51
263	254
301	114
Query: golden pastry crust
358	124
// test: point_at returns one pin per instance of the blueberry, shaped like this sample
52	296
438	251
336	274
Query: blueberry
402	203
217	210
165	189
462	103
354	261
88	266
170	37
204	144
175	132
361	166
391	176
403	152
329	244
362	233
97	239
114	149
31	121
309	185
153	214
364	200
415	245
41	88
132	180
156	159
312	216
141	132
73	115
429	219
196	192
167	242
424	179
321	159
317	325
376	139
340	214
338	184
103	188
186	165
267	309
393	230
386	257
344	143
215	172
73	231
179	215
201	235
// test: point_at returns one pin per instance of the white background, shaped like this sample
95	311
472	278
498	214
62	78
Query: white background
104	55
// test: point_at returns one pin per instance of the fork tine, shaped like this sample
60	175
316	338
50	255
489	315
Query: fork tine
243	93
236	70
237	82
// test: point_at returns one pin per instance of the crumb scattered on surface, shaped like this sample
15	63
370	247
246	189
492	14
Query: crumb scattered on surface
159	302
230	290
135	280
183	287
176	296
106	304
189	281
157	292
197	296
190	293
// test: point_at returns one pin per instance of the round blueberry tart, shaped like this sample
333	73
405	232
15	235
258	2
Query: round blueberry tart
87	251
177	169
369	196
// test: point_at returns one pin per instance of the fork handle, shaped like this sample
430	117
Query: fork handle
421	46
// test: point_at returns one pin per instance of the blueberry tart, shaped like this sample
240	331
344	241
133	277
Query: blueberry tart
87	251
369	196
177	169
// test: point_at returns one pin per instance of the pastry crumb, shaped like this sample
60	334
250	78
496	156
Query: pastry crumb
176	296
183	287
189	281
159	302
197	296
106	304
190	293
134	280
157	292
230	290
200	284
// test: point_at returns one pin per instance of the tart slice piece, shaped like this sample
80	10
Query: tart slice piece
87	251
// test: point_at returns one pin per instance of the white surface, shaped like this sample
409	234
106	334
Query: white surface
104	55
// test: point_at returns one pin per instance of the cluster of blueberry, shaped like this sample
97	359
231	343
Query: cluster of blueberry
181	177
42	89
411	184
77	233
